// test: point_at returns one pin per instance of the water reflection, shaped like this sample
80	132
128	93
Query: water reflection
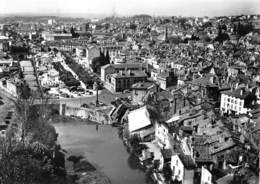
104	149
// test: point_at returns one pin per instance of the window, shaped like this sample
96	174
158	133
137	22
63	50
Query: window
176	162
228	100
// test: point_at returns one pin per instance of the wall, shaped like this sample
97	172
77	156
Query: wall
188	177
161	134
99	115
9	88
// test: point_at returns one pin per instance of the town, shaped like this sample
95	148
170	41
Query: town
182	92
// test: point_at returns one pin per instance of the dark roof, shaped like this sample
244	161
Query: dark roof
164	95
202	81
143	85
238	93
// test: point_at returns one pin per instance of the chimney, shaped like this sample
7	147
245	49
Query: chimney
241	92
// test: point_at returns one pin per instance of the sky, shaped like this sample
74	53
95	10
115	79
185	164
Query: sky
131	7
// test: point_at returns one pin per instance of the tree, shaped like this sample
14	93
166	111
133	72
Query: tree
73	33
107	58
133	26
222	36
27	158
243	29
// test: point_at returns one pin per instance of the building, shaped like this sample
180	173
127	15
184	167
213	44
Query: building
91	53
115	68
123	80
51	78
56	36
166	79
206	176
9	87
164	133
183	167
238	101
140	123
140	90
4	43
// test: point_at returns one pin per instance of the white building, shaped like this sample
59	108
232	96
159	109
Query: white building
9	87
183	167
164	133
237	101
206	176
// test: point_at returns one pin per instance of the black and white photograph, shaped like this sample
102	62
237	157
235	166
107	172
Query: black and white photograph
129	91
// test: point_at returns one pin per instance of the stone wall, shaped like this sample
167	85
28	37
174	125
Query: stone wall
99	114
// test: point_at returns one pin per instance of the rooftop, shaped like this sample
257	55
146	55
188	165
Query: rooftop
143	85
238	93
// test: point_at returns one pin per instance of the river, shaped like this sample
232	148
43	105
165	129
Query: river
103	148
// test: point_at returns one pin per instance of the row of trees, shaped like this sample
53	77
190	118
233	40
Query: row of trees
80	71
66	76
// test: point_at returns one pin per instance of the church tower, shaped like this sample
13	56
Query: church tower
165	36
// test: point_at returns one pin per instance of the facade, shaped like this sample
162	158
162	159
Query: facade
206	176
140	90
163	135
166	79
9	87
183	168
124	80
50	79
237	101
